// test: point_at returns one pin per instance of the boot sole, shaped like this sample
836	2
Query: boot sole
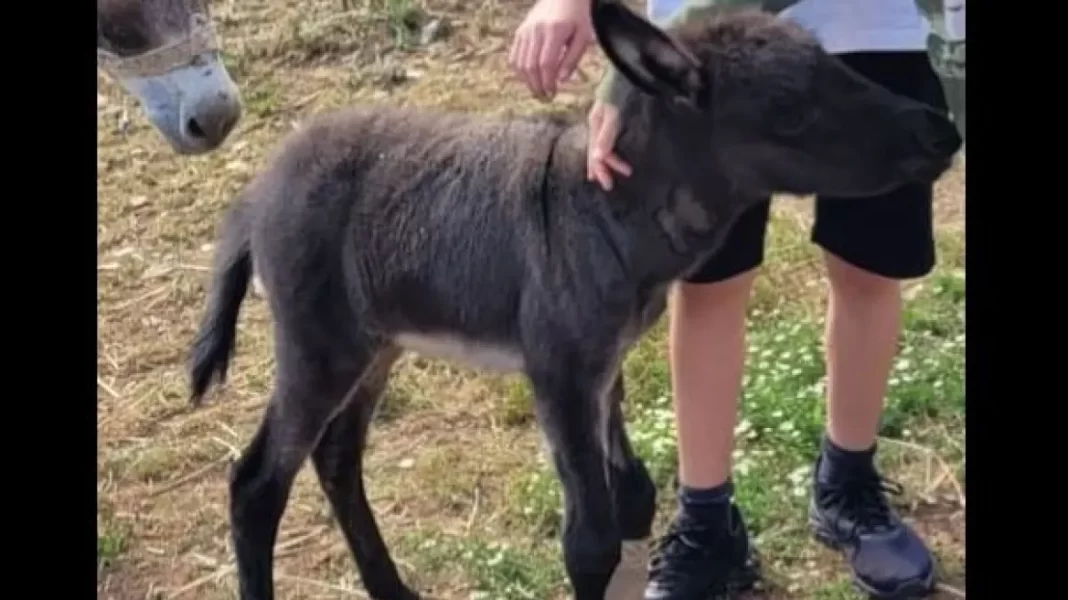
908	591
740	581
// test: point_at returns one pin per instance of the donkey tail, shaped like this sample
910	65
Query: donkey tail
214	346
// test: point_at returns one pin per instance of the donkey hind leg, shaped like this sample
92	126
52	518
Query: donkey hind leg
309	390
569	410
634	497
338	461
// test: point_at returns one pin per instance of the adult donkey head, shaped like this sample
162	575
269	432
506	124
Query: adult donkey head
165	53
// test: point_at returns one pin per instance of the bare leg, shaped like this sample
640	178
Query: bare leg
849	510
706	551
707	349
863	324
338	461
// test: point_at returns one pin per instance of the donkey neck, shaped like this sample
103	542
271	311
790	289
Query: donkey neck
678	192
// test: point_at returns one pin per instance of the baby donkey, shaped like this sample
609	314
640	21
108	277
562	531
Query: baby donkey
377	230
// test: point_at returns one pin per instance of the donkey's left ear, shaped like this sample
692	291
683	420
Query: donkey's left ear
645	54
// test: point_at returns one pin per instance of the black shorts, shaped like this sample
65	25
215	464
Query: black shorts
891	235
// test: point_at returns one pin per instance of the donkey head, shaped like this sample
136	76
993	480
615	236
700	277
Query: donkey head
760	96
164	53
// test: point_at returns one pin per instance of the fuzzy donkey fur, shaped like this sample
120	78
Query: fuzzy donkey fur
377	230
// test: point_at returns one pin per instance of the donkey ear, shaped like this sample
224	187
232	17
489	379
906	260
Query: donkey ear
643	53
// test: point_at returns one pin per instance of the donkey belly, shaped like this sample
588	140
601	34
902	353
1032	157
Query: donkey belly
486	356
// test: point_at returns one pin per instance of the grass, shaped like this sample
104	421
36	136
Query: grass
455	471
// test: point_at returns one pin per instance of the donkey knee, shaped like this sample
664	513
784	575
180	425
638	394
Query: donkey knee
250	493
249	472
259	489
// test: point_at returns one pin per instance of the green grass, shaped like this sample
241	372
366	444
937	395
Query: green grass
778	435
497	568
111	538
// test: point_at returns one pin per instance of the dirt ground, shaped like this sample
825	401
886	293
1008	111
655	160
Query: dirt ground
162	465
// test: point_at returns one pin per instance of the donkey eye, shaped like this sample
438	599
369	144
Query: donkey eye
791	120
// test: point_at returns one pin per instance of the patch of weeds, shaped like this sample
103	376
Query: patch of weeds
497	569
950	247
404	17
304	42
517	403
259	380
783	387
839	589
652	433
648	405
646	372
154	464
395	402
147	465
112	538
109	546
927	380
537	498
261	100
236	64
938	306
453	494
772	489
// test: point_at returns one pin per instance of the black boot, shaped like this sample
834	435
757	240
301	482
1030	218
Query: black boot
699	561
849	512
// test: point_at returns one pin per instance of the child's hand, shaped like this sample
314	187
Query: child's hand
549	43
601	160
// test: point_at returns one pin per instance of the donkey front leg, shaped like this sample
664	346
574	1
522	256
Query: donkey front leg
633	489
568	404
634	496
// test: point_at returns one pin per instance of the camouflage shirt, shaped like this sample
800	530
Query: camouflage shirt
945	46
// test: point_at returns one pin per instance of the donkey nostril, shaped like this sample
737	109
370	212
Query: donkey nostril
207	123
194	129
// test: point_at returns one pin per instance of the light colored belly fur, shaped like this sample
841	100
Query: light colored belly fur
473	354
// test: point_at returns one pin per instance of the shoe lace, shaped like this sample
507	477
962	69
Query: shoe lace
676	544
681	547
862	500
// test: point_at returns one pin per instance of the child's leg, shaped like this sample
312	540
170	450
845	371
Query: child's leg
870	245
707	551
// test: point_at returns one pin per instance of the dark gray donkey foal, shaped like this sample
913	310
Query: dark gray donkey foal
377	230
